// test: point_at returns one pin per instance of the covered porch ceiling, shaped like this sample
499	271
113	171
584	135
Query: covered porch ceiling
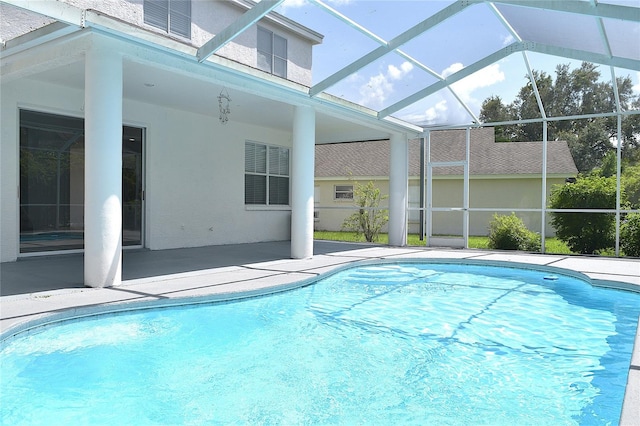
431	67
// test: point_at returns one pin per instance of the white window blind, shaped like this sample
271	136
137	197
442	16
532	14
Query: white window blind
344	192
266	178
173	16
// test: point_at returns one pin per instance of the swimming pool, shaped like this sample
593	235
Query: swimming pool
382	344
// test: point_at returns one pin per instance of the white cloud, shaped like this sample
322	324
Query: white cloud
438	110
376	91
293	3
394	73
508	40
453	68
486	77
447	110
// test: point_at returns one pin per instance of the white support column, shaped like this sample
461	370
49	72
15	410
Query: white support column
103	167
398	190
302	182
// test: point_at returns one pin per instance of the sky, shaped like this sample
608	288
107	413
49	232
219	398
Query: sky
453	44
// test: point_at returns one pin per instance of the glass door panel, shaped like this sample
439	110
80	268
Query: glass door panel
52	183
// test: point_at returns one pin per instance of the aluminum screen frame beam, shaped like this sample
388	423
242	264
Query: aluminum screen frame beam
236	28
56	10
601	10
392	45
564	52
457	76
401	53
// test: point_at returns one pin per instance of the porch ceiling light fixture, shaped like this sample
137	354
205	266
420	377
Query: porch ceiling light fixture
224	102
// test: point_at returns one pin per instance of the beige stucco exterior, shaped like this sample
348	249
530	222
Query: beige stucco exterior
501	192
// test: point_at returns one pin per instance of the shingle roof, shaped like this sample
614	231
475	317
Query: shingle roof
487	157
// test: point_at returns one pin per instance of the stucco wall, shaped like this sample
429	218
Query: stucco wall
331	212
209	18
511	193
194	172
16	22
195	180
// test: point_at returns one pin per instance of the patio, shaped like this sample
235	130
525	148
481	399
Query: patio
35	286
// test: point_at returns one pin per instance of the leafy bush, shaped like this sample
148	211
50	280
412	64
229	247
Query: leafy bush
585	233
631	185
630	235
369	219
510	233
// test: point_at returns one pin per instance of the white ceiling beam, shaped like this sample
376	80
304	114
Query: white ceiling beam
392	45
616	93
536	92
504	22
54	9
457	76
580	7
374	37
582	55
35	38
236	28
383	42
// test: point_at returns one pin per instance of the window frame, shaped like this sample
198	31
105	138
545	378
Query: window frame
163	23
272	54
271	169
343	191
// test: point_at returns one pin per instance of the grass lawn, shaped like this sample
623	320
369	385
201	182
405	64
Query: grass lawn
552	245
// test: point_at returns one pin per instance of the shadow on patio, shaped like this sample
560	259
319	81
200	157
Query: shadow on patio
45	273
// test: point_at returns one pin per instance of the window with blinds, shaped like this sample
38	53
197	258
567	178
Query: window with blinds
172	16
343	192
272	53
266	177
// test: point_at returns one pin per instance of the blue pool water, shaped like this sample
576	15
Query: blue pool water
397	343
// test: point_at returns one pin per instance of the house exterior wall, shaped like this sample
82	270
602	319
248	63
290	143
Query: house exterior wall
194	171
330	212
207	19
495	192
16	22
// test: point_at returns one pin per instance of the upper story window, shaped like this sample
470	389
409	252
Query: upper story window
272	53
173	16
266	174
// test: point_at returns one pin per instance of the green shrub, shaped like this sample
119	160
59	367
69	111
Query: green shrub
630	235
585	233
369	219
510	233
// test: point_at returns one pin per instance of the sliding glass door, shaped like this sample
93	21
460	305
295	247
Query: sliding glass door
52	183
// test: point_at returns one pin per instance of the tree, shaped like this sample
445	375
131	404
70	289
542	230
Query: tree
369	219
630	235
572	93
586	233
493	110
630	181
589	145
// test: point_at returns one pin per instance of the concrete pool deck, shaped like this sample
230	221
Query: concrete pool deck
36	290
